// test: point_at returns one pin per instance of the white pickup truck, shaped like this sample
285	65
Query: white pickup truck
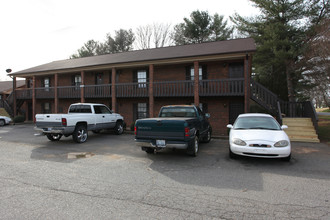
81	118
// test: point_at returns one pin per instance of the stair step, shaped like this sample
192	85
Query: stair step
300	132
298	123
304	139
299	128
297	119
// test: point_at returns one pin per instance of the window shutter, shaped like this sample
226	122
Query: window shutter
134	112
135	78
205	108
188	68
204	72
147	75
148	115
73	80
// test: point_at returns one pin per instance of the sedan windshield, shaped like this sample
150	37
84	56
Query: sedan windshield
255	122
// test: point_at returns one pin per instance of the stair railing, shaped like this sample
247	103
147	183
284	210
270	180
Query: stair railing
8	108
264	97
277	107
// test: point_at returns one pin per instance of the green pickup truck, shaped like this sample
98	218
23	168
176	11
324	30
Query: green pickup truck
177	126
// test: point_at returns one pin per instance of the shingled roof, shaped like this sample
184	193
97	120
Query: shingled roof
245	45
7	86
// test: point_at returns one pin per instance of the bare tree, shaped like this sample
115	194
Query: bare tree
153	36
161	35
143	37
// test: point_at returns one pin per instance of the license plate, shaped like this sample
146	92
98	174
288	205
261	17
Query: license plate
160	143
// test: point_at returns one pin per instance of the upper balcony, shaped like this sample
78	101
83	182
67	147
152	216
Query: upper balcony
210	87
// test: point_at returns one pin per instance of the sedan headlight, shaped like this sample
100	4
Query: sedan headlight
282	143
238	141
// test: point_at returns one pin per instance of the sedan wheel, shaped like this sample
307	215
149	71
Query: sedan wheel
2	122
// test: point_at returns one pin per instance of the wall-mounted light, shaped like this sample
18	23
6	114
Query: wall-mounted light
224	105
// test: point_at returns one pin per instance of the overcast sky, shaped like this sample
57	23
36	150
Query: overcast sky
35	32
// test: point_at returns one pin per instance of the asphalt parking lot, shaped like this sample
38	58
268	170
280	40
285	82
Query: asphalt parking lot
119	181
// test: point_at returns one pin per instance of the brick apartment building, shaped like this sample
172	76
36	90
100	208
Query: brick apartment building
136	84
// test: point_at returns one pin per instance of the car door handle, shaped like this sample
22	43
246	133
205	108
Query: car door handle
103	116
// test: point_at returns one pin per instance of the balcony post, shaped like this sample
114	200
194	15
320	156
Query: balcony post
56	93
151	90
196	83
247	76
34	98
113	89
82	87
14	96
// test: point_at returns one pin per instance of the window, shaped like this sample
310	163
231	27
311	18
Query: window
46	84
202	107
80	109
142	78
100	109
190	72
77	81
46	108
142	110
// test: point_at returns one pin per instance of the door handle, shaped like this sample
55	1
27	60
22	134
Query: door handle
103	116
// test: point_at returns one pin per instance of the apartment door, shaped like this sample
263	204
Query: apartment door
98	83
235	108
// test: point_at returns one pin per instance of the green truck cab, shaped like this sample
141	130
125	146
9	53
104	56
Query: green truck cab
177	126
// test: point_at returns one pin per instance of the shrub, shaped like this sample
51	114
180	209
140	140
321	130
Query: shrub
132	126
19	118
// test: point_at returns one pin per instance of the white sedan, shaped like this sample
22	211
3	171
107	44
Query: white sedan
258	135
4	120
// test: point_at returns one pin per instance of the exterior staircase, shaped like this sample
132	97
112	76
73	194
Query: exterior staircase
301	129
300	117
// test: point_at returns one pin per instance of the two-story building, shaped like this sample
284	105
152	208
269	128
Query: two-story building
214	76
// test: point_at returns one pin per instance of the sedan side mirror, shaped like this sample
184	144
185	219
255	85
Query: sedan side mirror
284	127
230	126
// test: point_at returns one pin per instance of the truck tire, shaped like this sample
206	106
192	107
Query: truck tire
54	137
193	147
207	137
80	134
119	128
150	150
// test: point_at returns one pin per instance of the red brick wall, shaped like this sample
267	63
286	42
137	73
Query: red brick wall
218	107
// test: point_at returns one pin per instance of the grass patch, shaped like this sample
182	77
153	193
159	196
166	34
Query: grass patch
327	110
324	128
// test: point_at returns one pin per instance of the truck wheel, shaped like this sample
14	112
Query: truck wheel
193	147
207	137
54	137
150	150
80	134
119	128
